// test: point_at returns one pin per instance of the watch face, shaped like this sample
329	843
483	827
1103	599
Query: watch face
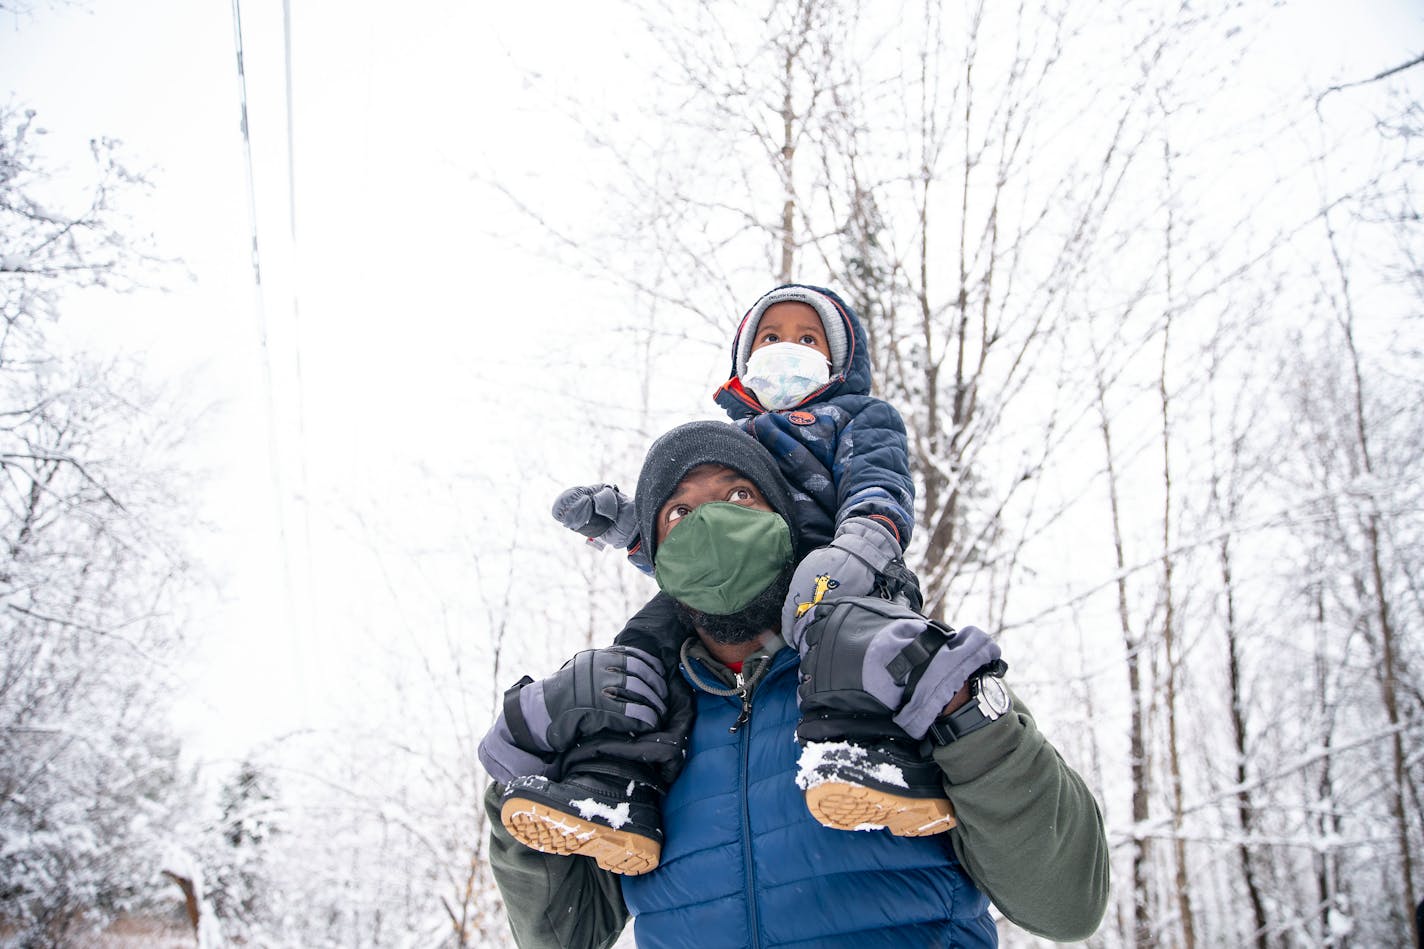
993	696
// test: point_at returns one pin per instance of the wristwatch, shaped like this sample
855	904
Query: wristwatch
988	701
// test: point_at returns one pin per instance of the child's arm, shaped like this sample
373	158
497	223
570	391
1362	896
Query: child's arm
875	500
599	512
604	515
872	471
852	564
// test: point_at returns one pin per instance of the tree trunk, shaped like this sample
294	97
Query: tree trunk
1169	619
1380	593
1327	826
1142	934
1245	811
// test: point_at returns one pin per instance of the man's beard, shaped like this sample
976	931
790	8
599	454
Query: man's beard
751	621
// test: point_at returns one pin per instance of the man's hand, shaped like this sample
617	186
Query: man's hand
599	511
850	565
618	689
869	657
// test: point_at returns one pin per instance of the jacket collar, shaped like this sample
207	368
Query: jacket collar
772	656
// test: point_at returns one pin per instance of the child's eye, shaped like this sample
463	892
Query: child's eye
808	340
769	338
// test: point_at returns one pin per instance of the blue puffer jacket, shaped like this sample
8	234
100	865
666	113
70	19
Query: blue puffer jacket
745	865
844	452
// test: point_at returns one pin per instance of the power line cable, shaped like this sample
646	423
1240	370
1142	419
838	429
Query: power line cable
303	480
260	307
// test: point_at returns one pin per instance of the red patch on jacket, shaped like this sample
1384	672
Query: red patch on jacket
801	418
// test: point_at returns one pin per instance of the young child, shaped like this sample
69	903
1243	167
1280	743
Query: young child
800	384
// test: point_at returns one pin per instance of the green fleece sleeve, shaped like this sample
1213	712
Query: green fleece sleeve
1029	833
553	902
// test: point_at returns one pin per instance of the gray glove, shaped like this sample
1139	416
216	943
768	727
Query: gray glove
850	565
869	657
619	689
599	511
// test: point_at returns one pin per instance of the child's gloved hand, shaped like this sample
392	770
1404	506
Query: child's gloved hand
618	689
850	565
599	511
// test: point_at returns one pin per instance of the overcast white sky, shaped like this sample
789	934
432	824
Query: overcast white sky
416	306
412	314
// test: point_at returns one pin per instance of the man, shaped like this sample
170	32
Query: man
744	863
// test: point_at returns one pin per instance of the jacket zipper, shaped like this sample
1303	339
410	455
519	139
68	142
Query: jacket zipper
744	692
817	393
746	743
745	695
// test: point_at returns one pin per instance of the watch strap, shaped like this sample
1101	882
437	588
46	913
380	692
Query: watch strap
957	724
969	718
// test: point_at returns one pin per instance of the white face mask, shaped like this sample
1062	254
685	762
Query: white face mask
783	374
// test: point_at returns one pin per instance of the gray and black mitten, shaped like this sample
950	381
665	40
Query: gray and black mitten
852	564
617	690
598	511
870	659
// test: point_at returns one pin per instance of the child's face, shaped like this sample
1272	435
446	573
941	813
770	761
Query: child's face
791	322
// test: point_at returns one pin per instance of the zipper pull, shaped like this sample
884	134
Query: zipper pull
746	705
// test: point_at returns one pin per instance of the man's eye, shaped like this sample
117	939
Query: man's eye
676	512
739	494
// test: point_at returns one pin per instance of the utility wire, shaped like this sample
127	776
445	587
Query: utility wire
303	482
260	305
291	137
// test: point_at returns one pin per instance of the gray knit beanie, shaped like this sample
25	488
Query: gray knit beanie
677	452
832	320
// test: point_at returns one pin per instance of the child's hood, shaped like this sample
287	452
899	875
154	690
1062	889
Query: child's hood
851	378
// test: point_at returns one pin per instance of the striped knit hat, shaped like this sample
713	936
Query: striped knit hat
832	320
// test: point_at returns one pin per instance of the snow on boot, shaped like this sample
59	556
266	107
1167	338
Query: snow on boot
873	785
610	814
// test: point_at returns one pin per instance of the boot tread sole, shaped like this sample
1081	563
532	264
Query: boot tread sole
549	830
843	806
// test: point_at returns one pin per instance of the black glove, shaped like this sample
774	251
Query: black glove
618	689
870	658
599	511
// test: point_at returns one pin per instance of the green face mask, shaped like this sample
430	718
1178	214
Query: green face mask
719	557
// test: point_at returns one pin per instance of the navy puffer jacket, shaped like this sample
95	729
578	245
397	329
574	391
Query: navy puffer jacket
745	864
844	452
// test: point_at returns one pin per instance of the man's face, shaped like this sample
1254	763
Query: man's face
703	484
699	486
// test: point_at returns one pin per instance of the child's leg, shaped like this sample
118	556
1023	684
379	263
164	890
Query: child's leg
604	800
857	767
658	629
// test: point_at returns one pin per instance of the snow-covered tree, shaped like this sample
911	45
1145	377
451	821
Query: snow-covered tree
89	569
238	856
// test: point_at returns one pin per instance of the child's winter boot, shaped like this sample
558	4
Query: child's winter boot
607	809
865	784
